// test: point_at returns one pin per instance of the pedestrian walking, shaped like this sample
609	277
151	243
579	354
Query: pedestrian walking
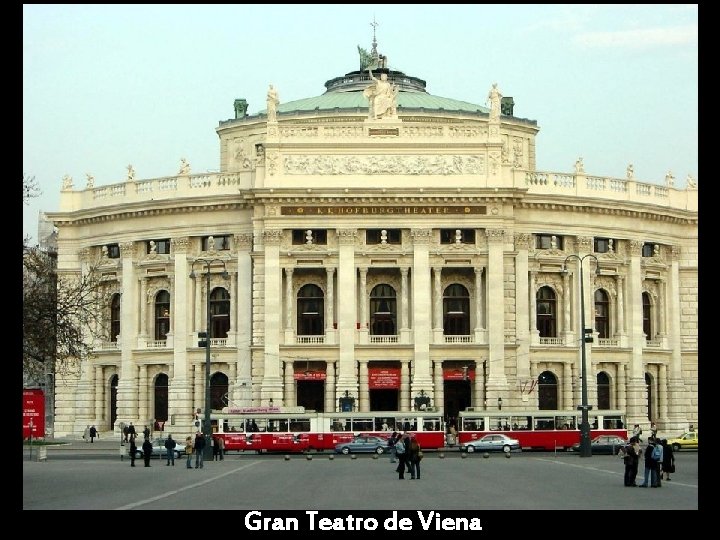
131	430
147	451
631	458
189	451
133	451
199	448
391	444
400	453
221	448
126	433
86	434
668	460
146	432
170	445
93	434
414	456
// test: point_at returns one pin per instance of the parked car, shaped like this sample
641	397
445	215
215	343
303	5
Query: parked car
604	444
684	441
363	444
492	442
159	449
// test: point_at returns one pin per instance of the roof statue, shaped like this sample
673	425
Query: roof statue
691	182
184	166
579	167
130	173
630	172
90	180
272	102
366	59
669	179
382	96
493	99
67	182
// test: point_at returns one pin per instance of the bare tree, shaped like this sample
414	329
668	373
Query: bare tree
61	316
31	189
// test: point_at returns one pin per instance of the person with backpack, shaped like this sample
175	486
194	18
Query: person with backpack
650	465
414	453
400	452
657	457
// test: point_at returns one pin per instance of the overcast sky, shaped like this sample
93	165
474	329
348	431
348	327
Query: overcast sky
105	86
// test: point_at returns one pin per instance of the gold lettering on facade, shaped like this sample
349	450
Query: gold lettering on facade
375	210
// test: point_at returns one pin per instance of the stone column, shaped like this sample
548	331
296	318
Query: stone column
272	382
438	386
197	284
242	392
620	307
422	378
99	397
567	308
181	307
532	314
330	302
143	403
199	380
523	314
289	300
364	392
290	399
127	387
678	402
636	392
567	388
437	299
404	305
661	313
497	380
478	304
232	334
143	308
662	390
347	313
404	386
363	299
620	383
331	404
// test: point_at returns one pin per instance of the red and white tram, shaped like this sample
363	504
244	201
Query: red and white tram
539	430
278	429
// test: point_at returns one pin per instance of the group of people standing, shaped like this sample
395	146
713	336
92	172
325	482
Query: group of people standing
408	452
659	460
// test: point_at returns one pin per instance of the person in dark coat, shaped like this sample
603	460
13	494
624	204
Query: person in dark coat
668	462
199	449
170	445
133	451
631	460
414	457
93	434
147	451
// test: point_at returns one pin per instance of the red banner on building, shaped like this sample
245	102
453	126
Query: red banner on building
459	374
384	378
310	375
33	413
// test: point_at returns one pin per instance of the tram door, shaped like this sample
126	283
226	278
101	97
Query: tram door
311	395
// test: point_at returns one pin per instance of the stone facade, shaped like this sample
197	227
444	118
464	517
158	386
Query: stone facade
442	215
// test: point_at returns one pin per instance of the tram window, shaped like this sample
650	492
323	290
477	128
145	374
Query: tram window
431	425
282	425
336	424
564	422
544	423
520	422
226	426
501	424
362	424
468	425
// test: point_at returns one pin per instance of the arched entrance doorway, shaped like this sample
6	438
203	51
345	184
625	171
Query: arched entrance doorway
458	382
547	391
310	385
384	386
218	391
161	399
603	390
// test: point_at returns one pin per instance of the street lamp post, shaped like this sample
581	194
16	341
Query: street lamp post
207	427
585	444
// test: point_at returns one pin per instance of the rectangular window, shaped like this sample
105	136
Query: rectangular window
457	236
383	236
602	245
548	241
161	247
648	249
309	237
218	243
113	251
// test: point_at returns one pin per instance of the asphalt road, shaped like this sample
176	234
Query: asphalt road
81	477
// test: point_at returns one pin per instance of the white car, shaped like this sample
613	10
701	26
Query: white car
159	449
496	442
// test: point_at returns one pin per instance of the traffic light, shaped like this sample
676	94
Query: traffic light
203	339
588	337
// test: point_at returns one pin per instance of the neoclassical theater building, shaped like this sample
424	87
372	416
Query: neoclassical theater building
382	243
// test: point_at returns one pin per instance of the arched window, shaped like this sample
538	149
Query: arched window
219	313
546	312
161	397
456	311
649	387
218	391
310	311
647	315
602	314
547	391
114	317
603	390
383	311
162	315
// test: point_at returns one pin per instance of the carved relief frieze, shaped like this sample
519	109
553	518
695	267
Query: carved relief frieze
272	210
243	241
522	240
127	249
495	236
384	164
347	236
383	276
552	280
636	248
180	245
518	155
271	162
584	244
650	286
675	252
421	236
272	236
467	131
607	283
155	285
241	155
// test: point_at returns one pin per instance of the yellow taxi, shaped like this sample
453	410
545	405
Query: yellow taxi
684	441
